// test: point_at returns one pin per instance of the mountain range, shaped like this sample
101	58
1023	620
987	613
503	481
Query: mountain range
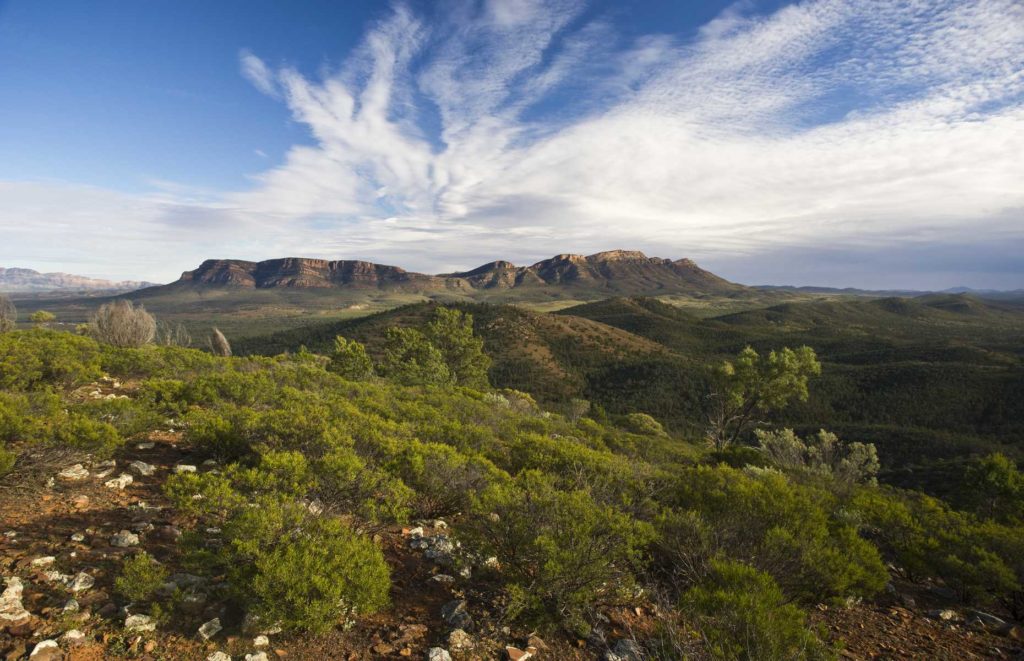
18	280
614	272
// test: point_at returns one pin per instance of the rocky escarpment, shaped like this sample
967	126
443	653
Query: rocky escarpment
302	272
620	272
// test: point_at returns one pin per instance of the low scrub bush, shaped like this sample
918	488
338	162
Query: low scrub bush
41	358
141	576
742	614
560	554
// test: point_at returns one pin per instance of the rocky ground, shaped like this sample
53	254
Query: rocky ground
62	543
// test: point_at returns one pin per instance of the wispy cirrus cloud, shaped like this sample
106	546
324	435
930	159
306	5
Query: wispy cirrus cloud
515	129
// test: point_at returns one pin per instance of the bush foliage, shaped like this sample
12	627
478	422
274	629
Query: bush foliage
560	513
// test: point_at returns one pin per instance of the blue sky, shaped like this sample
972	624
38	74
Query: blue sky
832	142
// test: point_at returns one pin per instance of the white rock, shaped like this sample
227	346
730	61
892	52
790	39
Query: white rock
78	537
104	469
76	472
73	637
459	640
625	650
210	629
40	650
142	468
260	641
257	656
416	532
11	608
119	482
184	468
44	561
81	582
218	656
139	623
145	445
55	576
438	654
71	606
124	539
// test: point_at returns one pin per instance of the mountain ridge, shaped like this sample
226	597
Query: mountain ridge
22	280
619	271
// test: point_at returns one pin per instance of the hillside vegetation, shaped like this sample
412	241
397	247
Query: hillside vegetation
931	381
304	467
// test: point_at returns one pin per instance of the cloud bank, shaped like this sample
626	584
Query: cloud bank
515	129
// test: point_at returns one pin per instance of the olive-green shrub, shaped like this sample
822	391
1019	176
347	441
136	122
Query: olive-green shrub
141	576
560	554
742	614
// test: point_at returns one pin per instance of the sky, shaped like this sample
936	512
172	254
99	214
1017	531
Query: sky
864	143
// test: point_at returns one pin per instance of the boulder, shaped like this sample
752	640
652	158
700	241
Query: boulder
73	637
81	582
438	654
459	640
11	608
625	650
124	539
104	469
945	615
210	629
260	641
443	579
74	473
46	650
516	654
141	468
456	616
257	656
184	468
139	623
119	482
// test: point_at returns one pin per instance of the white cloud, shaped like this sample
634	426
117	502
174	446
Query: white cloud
517	129
257	73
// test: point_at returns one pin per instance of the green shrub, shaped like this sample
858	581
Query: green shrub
222	433
641	423
925	538
443	479
560	554
29	417
84	433
742	614
305	572
318	575
349	360
40	357
128	416
346	483
451	331
7	459
780	527
166	396
410	359
141	576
